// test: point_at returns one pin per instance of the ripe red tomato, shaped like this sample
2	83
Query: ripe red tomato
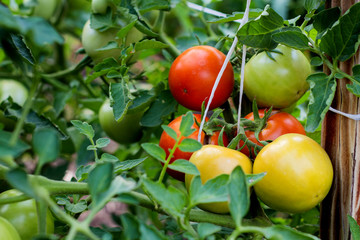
167	142
193	74
279	123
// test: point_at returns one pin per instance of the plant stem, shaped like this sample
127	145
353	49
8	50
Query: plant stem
74	69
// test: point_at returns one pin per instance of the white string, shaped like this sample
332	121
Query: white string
208	10
227	59
351	116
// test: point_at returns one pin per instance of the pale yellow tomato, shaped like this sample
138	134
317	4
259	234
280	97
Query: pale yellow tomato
212	161
299	173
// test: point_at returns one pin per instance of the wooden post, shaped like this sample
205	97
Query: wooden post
341	140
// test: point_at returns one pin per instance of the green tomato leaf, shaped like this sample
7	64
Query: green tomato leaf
124	31
130	226
171	132
82	172
8	21
163	106
342	40
18	178
84	128
187	121
46	145
145	5
102	142
155	151
316	61
207	229
101	22
142	100
253	13
354	228
189	145
172	200
258	33
182	165
150	233
292	37
322	91
75	208
99	180
6	149
354	88
214	190
325	19
281	232
311	5
128	164
149	44
120	99
106	157
252	179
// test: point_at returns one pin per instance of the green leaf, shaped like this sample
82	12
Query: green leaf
99	180
8	21
102	142
214	190
82	172
146	5
316	61
292	37
342	40
46	145
239	195
155	151
172	200
354	228
187	121
130	226
189	145
354	88
149	44
6	149
253	13
171	132
325	19
258	33
150	233
182	165
142	100
106	157
311	5
252	179
281	232
322	91
128	164
207	229
163	106
121	99
18	178
124	31
75	208
84	128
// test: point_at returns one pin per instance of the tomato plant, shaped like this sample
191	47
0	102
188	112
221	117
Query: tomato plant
212	161
293	160
277	81
125	131
23	215
7	231
193	74
279	123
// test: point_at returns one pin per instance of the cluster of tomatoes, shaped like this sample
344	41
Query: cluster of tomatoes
298	171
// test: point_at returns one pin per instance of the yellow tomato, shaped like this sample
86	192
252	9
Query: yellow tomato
298	176
212	161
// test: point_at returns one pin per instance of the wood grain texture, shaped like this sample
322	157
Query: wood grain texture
340	139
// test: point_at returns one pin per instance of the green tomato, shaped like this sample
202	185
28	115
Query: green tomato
23	215
44	8
92	40
277	82
125	131
99	6
8	231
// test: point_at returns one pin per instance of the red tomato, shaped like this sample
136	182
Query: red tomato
193	74
166	142
279	123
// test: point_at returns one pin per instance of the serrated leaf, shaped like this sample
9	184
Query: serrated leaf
292	37
75	208
187	121
258	33
155	151
171	132
172	200
82	172
106	157
84	128
354	88
182	165
149	44
102	142
6	149
142	100
342	40
239	195
312	4
46	145
214	190
206	229
354	228
128	164
322	91
189	145
121	97
22	48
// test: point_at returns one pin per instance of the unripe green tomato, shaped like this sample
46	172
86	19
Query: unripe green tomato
17	92
23	215
277	82
8	231
92	40
125	131
44	8
212	161
99	6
